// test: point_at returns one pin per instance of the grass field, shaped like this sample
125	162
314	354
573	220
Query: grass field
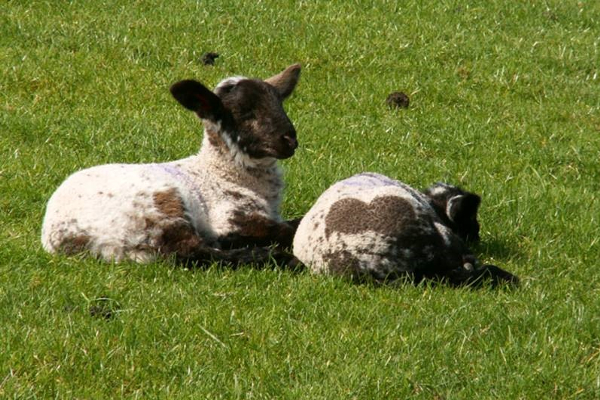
505	100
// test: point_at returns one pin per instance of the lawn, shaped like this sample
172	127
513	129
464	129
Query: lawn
504	100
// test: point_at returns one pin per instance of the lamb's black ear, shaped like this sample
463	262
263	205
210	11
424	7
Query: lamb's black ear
285	81
463	206
196	97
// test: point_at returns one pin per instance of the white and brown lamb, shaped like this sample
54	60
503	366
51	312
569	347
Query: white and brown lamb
219	204
372	226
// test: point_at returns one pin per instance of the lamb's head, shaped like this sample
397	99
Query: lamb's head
245	116
457	209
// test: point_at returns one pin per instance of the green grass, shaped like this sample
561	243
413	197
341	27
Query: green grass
504	101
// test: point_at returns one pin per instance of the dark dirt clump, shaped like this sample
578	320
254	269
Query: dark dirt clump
397	100
209	58
104	308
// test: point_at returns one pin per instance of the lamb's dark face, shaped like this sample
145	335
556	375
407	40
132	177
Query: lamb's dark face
256	124
457	209
245	116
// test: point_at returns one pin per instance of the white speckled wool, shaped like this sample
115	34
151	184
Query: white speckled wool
230	190
109	206
372	226
361	241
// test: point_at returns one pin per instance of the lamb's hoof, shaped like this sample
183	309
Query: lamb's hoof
286	260
479	276
498	276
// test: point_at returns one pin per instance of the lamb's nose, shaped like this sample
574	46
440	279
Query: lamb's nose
291	140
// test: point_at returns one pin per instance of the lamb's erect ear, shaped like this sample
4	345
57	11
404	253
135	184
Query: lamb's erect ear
463	206
285	81
196	97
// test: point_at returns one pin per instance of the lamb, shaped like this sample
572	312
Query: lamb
372	226
222	204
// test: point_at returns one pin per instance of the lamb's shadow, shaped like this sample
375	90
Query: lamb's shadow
495	248
267	259
485	280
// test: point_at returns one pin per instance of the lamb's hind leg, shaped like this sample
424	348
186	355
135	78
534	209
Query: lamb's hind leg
181	240
256	230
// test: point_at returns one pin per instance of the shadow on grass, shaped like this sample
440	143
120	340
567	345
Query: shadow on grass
266	259
496	248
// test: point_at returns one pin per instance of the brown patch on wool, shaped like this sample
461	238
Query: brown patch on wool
169	203
342	262
179	237
385	215
73	244
252	225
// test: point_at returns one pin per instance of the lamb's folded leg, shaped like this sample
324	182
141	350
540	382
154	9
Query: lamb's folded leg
256	230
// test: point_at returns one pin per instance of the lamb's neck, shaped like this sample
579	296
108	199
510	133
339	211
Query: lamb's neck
216	163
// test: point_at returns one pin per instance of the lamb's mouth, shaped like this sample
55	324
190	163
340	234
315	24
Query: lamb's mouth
282	155
268	153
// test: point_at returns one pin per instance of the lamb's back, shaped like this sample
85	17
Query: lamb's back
369	224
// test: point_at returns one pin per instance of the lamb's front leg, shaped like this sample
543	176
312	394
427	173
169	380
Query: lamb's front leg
254	229
473	274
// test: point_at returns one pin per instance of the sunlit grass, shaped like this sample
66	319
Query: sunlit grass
504	101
